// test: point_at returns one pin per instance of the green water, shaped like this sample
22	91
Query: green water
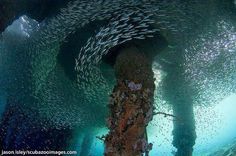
59	72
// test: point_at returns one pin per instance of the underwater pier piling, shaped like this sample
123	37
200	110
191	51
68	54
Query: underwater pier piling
179	95
131	105
184	134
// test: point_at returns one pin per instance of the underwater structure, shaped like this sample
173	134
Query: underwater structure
131	105
179	95
120	39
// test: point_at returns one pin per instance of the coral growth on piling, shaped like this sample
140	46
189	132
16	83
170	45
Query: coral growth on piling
131	106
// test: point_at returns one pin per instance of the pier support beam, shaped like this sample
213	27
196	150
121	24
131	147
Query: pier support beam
184	130
131	105
179	95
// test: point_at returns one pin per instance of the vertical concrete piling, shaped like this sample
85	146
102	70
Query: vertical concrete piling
131	105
